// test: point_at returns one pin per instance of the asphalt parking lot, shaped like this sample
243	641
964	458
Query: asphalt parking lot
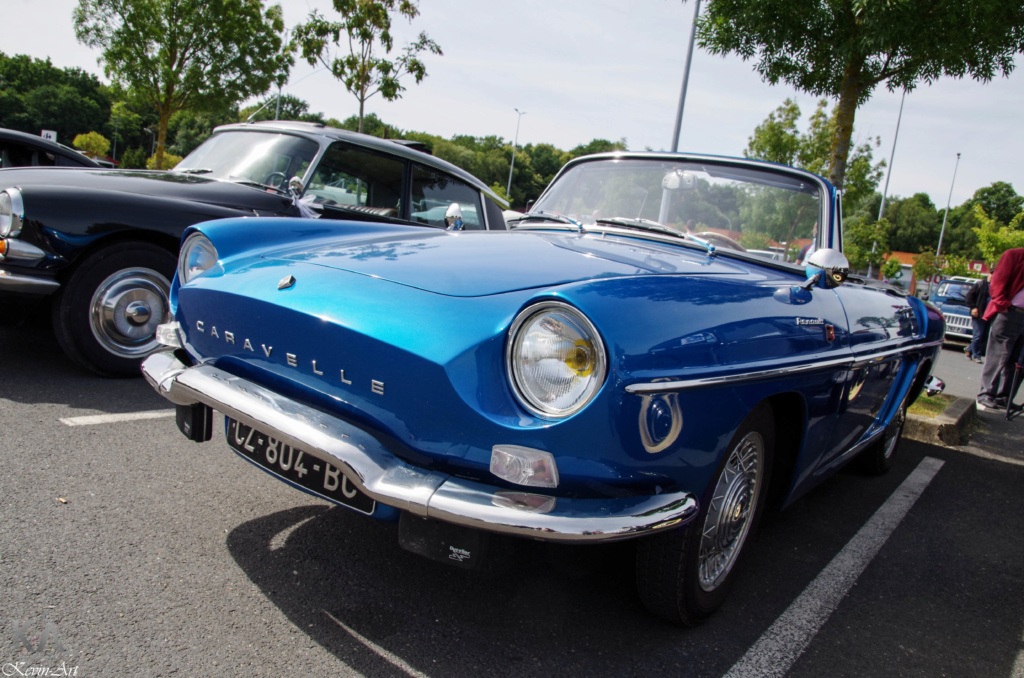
127	550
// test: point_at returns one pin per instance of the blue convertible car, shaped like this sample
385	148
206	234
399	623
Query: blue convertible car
594	373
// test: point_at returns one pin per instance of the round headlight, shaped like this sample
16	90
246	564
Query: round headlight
12	211
555	358
197	255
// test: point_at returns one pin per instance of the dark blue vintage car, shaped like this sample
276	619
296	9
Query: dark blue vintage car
592	374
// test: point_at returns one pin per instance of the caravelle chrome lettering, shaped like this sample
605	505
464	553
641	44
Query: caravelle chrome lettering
317	366
810	321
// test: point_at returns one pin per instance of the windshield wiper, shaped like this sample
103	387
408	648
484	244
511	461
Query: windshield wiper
547	216
640	224
256	184
196	170
648	225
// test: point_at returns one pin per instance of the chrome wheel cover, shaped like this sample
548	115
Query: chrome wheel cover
892	432
730	511
126	309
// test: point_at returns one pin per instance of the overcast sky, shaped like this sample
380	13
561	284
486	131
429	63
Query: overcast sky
586	69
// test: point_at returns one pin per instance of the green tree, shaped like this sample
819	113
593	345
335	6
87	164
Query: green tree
365	26
998	201
994	238
597	146
133	158
915	222
891	268
867	244
184	54
35	95
94	144
778	139
844	49
283	107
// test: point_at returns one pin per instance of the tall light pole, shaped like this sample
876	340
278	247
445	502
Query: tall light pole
888	175
946	215
686	79
508	190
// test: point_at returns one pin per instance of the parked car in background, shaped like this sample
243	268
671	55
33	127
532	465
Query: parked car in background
101	245
949	297
18	149
592	374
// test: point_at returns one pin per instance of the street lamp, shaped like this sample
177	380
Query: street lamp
888	175
686	79
946	215
152	151
508	190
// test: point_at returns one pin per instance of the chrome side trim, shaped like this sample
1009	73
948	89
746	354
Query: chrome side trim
24	284
394	482
849	362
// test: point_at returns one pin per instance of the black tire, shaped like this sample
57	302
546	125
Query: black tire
678	579
105	316
877	459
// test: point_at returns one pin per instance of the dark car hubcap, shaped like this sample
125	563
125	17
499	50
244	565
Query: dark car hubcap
126	310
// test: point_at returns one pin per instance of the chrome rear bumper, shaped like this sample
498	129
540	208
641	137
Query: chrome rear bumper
394	482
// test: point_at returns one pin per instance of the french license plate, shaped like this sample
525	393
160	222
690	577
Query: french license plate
296	466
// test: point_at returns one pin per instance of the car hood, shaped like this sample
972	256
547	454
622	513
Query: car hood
173	185
483	263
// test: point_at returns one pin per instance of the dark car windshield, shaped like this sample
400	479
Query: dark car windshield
267	158
731	205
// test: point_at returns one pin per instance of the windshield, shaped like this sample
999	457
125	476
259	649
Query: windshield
265	158
770	213
954	293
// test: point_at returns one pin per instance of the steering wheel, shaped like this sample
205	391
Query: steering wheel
276	184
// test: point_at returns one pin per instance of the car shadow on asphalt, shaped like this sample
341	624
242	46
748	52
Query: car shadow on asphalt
541	608
36	371
535	608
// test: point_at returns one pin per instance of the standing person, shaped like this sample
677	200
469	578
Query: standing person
1005	315
808	249
977	298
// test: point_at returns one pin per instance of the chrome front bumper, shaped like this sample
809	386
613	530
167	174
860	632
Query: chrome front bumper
24	284
394	482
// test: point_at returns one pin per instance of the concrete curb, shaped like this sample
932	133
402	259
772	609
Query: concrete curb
948	428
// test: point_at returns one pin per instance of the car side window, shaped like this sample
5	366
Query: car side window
433	191
351	177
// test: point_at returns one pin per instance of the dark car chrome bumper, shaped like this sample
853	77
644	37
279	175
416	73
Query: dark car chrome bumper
24	284
394	482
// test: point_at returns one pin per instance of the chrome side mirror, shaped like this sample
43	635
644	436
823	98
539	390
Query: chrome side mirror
826	267
934	386
453	217
295	186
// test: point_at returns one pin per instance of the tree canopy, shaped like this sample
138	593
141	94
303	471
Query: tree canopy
181	54
844	49
365	26
35	95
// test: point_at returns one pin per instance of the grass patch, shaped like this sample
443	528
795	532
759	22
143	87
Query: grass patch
931	406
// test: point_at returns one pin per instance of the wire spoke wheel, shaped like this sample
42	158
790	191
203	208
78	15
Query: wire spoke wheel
727	523
683	576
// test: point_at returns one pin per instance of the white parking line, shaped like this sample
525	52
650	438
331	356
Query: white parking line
378	650
93	419
1018	666
780	646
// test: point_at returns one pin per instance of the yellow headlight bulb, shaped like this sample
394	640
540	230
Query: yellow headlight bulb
580	358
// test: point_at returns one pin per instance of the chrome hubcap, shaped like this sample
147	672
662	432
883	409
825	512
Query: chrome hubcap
728	519
126	309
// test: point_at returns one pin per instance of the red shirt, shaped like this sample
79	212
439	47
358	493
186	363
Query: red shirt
1006	281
